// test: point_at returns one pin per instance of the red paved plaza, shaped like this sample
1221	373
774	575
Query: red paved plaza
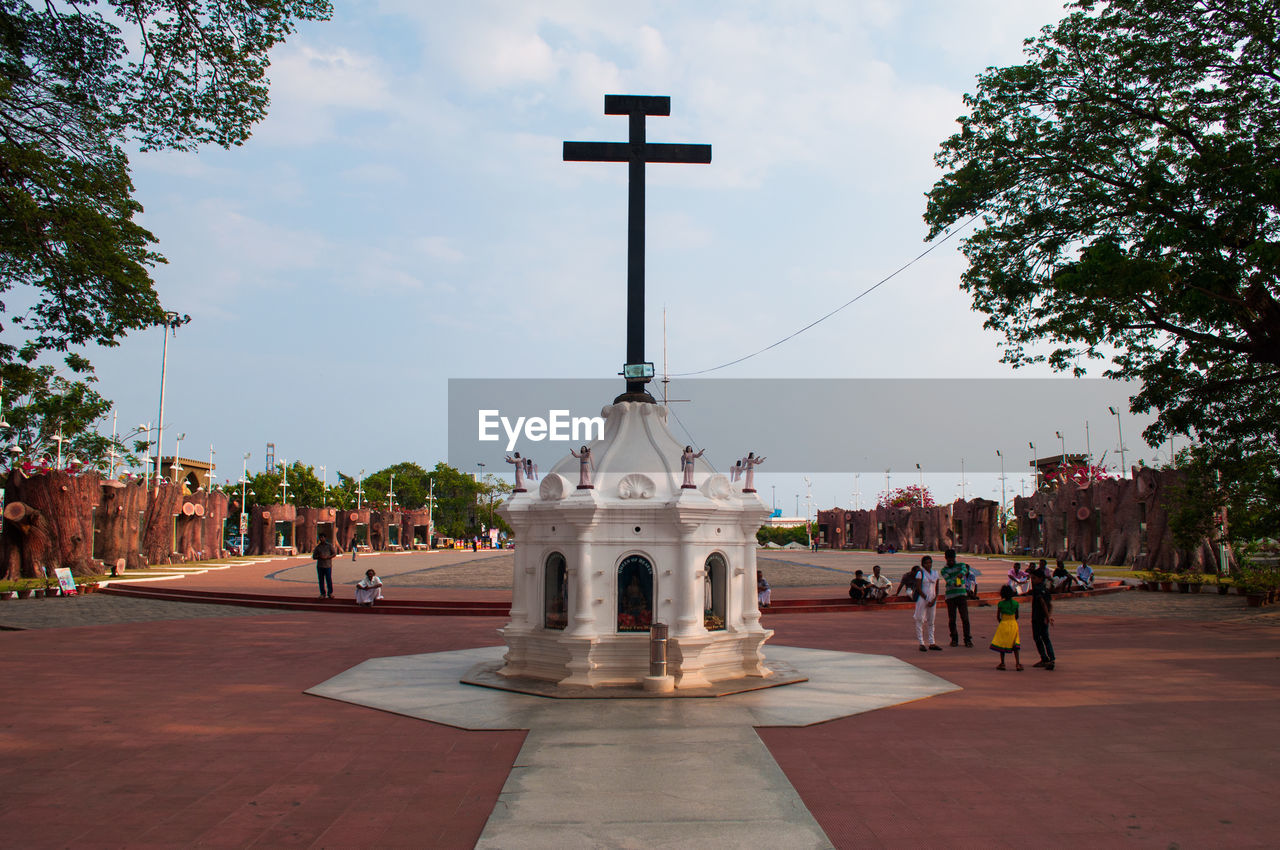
1151	732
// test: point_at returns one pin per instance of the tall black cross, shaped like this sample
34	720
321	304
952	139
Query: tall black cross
635	151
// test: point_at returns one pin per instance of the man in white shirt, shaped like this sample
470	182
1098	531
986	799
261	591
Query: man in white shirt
880	585
927	604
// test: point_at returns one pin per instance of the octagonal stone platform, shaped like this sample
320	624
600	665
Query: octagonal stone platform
428	687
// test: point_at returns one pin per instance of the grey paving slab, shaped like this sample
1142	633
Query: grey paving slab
100	609
640	773
647	787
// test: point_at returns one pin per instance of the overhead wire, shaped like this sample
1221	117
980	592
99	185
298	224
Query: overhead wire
843	306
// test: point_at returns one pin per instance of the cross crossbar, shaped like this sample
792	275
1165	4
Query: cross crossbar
642	104
624	152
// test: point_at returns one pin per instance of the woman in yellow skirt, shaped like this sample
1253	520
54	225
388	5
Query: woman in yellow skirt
1006	638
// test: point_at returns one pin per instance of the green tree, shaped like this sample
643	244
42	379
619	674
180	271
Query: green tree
305	488
41	404
1127	178
79	81
457	511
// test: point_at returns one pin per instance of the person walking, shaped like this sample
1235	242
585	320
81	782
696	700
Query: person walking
1042	618
927	604
323	553
955	578
1007	638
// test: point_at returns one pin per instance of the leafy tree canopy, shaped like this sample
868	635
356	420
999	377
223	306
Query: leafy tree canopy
1127	178
912	496
43	404
79	81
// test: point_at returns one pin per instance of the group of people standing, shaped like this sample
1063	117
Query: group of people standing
956	582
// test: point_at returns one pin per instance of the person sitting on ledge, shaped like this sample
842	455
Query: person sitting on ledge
1019	579
368	589
1084	576
763	590
879	585
859	587
1062	579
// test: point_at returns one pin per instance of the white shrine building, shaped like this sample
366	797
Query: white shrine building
596	566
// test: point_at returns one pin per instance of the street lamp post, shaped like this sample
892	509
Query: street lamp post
1063	439
1004	524
391	493
172	321
244	504
176	466
921	494
208	479
857	492
1124	470
359	488
1034	465
59	439
324	487
284	481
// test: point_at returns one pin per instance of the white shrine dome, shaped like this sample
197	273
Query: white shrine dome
637	458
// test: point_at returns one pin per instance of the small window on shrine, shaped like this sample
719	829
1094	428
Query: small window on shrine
713	585
556	595
635	594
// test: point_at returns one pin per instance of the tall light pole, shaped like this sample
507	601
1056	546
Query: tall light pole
1035	465
176	466
146	461
886	487
857	492
115	421
172	321
1063	439
244	504
808	505
921	494
208	479
391	493
59	438
284	481
962	481
324	487
1124	470
359	488
1004	525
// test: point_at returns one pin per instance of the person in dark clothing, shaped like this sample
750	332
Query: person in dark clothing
324	553
1042	617
956	576
859	587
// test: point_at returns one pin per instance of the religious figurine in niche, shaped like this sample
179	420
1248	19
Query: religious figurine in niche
585	465
686	466
520	465
735	472
750	462
530	469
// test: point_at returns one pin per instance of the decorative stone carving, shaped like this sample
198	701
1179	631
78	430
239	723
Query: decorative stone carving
553	487
636	486
717	487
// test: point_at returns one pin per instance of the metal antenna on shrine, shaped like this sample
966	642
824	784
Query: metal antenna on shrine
636	152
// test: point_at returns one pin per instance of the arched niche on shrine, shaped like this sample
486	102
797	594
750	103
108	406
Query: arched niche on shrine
716	574
635	594
555	598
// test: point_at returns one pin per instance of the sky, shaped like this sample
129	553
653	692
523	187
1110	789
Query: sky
404	217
